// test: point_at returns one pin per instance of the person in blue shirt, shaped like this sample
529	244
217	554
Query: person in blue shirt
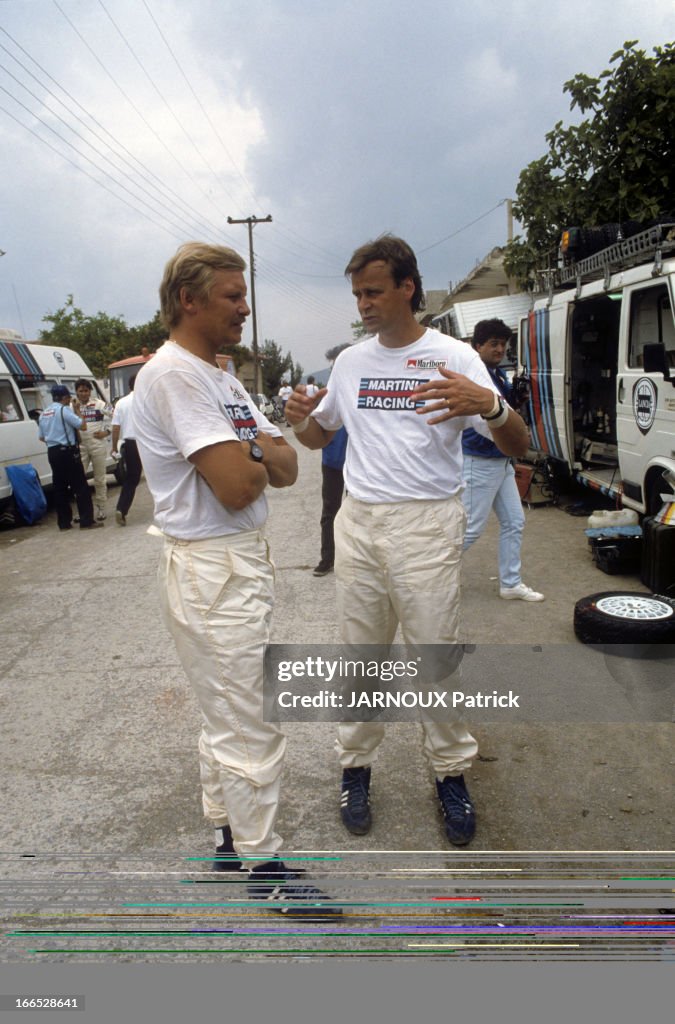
489	477
332	488
59	425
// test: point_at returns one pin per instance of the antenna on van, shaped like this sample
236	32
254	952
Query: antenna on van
18	309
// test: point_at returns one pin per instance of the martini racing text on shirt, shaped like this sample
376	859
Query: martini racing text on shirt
389	393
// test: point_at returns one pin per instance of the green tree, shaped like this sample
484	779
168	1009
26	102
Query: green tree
331	354
241	354
295	373
150	335
615	165
276	367
98	339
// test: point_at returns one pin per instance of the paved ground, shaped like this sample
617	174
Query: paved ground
99	726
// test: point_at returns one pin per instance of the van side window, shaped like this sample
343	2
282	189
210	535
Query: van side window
10	408
651	323
36	397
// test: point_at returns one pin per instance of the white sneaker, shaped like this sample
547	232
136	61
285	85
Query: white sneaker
520	593
100	513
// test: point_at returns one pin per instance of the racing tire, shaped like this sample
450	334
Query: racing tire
624	617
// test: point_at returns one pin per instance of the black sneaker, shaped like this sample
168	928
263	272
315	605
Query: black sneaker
323	568
280	888
457	808
226	858
354	801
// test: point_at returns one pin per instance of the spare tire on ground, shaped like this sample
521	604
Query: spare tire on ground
624	617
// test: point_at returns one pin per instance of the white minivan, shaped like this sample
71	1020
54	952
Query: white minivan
600	358
28	370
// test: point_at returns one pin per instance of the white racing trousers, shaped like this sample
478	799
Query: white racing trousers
93	452
400	563
216	597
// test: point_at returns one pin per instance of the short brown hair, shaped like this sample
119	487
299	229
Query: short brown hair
193	267
400	258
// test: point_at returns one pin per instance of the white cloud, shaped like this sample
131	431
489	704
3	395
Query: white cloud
342	121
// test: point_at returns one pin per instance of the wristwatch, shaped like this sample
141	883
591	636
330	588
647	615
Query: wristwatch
256	452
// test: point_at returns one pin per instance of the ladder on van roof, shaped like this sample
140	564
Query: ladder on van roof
650	243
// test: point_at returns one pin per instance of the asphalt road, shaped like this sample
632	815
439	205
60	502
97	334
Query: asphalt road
99	726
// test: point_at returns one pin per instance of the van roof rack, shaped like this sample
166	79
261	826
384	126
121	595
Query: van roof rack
628	252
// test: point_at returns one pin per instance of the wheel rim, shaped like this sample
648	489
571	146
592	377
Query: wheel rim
634	606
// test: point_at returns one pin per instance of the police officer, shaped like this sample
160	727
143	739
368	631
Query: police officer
58	429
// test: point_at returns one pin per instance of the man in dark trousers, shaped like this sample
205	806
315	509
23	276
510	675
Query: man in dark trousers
332	488
122	429
59	425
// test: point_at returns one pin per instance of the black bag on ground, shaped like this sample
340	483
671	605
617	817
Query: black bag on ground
658	557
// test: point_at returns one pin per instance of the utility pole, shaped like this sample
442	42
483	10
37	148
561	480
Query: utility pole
251	221
509	220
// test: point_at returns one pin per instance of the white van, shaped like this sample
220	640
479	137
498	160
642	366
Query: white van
600	357
28	370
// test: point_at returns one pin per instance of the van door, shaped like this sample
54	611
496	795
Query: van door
542	355
19	437
645	401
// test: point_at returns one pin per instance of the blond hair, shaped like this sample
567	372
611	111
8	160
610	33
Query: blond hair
193	266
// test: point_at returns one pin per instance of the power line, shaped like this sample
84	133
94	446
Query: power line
82	170
273	274
277	228
165	102
133	105
464	228
94	148
200	105
149	174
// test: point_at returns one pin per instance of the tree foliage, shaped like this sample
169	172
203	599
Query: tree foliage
615	165
331	354
150	335
100	339
276	367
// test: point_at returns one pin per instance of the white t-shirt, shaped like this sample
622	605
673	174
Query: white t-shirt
181	405
394	454
122	416
285	392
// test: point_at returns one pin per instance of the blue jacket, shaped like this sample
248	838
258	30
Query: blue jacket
334	453
474	443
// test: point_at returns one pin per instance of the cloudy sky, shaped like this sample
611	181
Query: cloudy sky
130	126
